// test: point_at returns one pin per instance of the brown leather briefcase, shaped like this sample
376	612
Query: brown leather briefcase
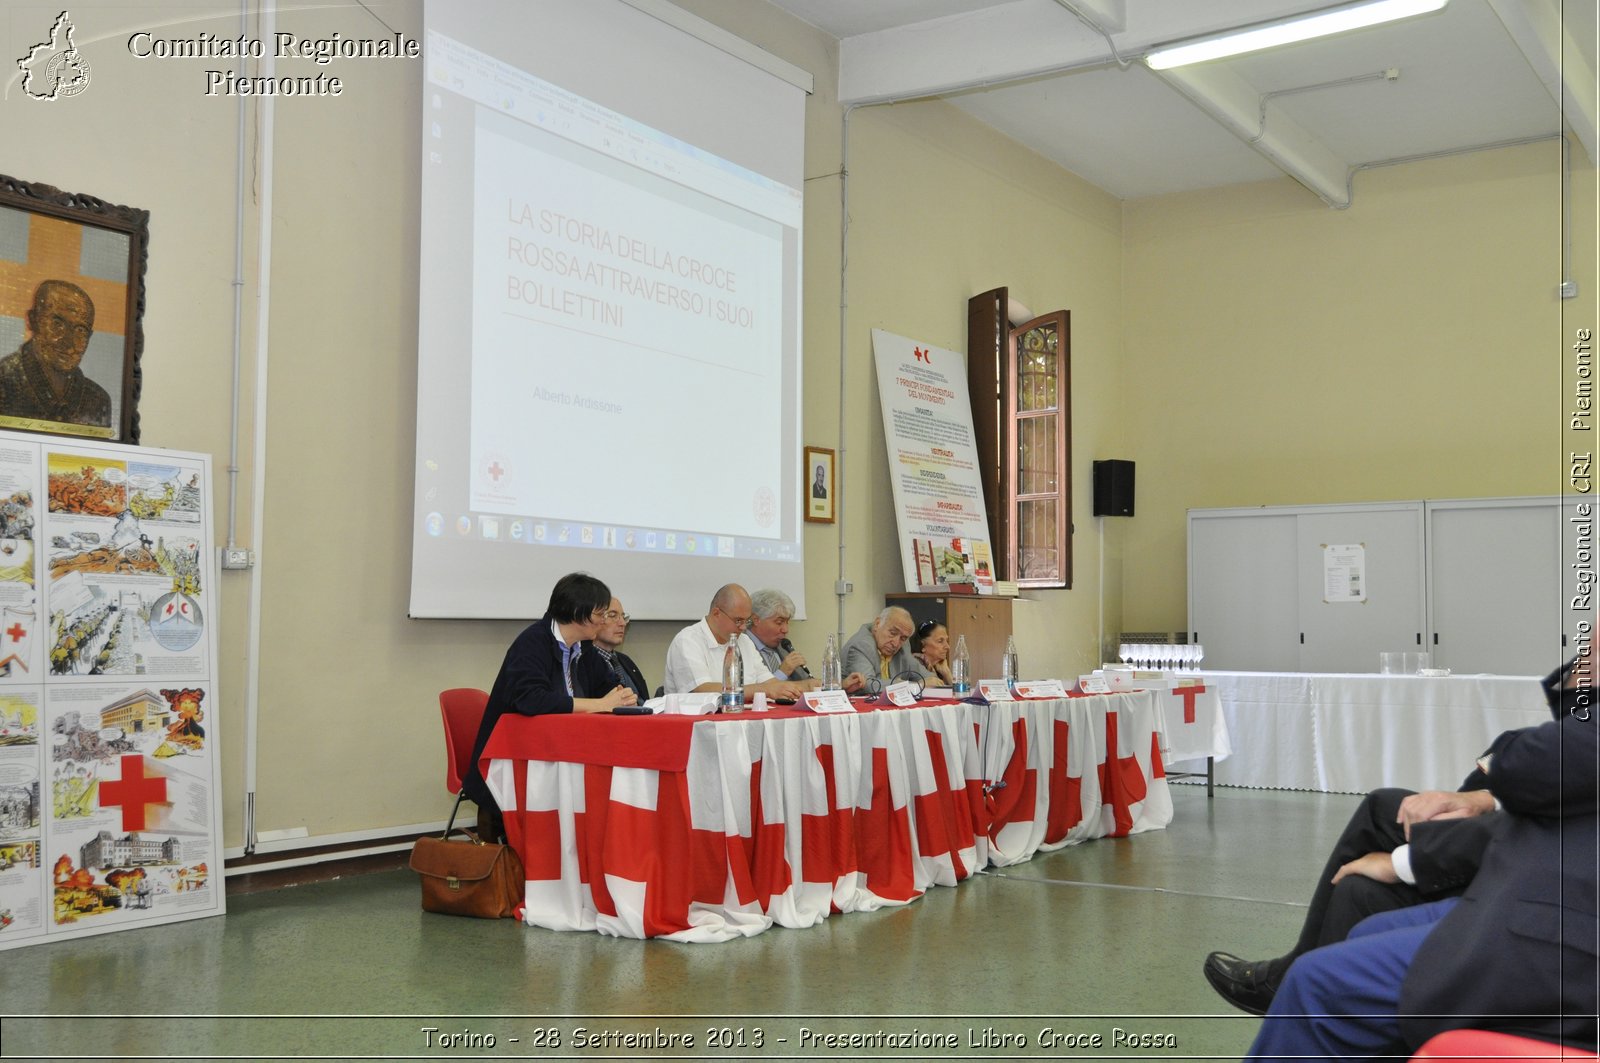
466	876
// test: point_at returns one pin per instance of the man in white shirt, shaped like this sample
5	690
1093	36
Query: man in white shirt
694	660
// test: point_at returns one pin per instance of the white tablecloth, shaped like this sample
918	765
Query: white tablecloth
1355	733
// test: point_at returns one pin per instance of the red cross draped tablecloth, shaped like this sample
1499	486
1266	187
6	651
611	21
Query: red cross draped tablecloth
710	828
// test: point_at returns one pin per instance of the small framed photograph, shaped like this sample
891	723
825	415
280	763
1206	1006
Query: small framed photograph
820	485
71	306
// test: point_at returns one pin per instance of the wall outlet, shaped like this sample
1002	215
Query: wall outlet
843	586
236	557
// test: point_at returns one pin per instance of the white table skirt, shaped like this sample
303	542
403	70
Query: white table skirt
1355	733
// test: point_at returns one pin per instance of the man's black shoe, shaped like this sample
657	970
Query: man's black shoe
1248	986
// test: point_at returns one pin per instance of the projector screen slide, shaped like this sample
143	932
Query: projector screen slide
609	338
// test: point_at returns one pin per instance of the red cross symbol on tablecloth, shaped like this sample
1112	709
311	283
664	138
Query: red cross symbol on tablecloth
1121	781
134	791
1188	694
16	631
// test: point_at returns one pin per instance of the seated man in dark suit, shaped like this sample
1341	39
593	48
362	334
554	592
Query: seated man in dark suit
1516	953
608	642
1399	849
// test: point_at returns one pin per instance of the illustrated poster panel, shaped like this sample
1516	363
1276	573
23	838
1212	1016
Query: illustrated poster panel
124	556
131	835
933	451
110	802
23	905
21	645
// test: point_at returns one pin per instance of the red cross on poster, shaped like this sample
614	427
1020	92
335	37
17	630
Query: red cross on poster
135	791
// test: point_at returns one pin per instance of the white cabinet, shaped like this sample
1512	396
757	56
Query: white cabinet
1476	582
1495	575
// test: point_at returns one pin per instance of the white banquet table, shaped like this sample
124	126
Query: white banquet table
713	828
1355	733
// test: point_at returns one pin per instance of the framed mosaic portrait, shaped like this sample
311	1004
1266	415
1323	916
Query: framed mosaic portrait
71	302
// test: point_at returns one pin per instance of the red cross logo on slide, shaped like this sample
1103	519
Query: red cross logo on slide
921	355
16	631
1188	694
133	792
495	471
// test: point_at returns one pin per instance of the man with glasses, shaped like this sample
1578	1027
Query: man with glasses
694	660
608	644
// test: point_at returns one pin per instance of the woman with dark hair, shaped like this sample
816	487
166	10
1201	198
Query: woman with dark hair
551	667
930	645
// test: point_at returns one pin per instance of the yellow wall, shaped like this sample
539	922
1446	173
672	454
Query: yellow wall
1412	346
1242	345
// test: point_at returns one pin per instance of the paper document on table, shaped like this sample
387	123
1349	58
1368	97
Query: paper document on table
703	704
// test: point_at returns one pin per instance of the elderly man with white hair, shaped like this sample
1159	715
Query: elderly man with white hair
880	649
771	611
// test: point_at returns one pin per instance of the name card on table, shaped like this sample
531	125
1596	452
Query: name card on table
901	694
1094	684
1041	688
828	701
993	690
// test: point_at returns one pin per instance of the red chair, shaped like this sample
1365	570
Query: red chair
1482	1046
462	708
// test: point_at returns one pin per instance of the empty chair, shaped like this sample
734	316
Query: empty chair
462	708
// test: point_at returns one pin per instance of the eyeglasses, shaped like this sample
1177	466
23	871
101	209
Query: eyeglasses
612	614
740	622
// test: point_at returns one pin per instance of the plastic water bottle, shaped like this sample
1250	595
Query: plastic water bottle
831	677
960	669
732	699
1008	664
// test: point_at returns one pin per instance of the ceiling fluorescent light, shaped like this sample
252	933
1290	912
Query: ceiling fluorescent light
1323	24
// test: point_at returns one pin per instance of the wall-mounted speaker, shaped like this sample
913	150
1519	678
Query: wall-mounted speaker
1113	488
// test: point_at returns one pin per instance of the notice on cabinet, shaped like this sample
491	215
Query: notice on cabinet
1344	574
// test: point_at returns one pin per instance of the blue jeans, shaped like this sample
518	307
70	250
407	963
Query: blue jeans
1342	1001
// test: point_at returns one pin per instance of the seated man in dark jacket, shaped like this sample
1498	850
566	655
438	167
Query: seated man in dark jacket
608	641
1516	953
1399	849
551	667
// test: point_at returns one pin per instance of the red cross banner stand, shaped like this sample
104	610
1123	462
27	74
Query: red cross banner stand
135	792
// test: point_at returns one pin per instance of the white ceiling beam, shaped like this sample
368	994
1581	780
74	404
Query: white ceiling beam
1109	15
1236	104
1536	28
986	47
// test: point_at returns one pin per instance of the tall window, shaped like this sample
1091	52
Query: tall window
1039	421
1021	384
1039	418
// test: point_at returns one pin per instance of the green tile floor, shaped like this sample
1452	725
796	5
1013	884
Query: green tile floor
1087	941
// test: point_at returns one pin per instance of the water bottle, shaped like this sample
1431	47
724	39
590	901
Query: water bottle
732	699
960	669
1008	664
831	677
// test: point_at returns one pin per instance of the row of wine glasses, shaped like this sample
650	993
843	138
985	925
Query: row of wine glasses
1184	657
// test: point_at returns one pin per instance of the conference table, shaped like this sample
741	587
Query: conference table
1354	733
709	828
